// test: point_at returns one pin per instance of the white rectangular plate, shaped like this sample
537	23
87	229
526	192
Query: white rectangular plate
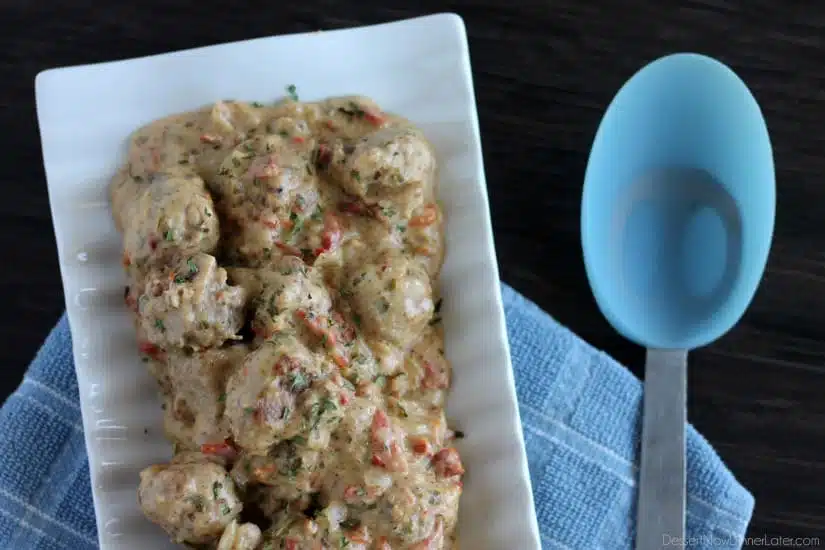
418	68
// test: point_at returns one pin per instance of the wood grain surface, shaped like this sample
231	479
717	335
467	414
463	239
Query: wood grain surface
544	72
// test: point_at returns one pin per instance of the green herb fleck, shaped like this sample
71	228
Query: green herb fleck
159	325
400	228
272	306
257	104
297	223
225	509
355	110
327	405
298	382
355	175
318	410
283	133
208	213
357	320
216	487
197	502
222	398
344	542
250	410
169	235
193	267
292	91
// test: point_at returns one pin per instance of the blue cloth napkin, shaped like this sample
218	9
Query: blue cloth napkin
580	411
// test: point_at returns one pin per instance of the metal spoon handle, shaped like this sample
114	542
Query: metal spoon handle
661	506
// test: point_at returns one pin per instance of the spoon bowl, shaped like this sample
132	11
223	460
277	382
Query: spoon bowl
678	203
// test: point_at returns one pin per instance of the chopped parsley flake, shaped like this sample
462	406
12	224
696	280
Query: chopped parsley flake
298	382
159	325
292	91
193	267
197	502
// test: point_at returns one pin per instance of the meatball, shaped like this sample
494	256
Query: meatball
393	299
262	396
191	305
380	164
234	118
172	216
124	191
290	472
269	171
195	394
291	287
352	116
271	198
411	514
166	146
294	530
237	536
193	502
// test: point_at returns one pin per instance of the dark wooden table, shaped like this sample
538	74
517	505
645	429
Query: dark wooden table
544	72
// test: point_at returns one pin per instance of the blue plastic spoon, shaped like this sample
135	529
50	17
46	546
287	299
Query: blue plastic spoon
677	220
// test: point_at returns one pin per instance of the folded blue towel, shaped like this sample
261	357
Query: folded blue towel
580	411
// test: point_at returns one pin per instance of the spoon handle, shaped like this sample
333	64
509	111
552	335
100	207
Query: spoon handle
661	506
